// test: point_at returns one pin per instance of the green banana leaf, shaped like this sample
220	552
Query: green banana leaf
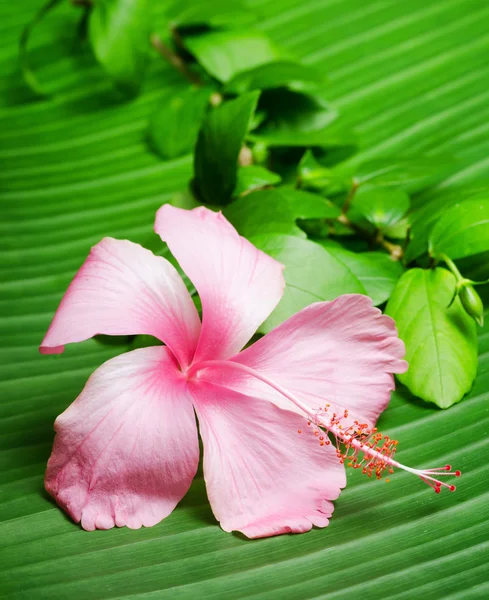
410	77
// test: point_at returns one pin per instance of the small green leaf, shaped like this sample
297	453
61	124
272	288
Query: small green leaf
119	34
312	274
313	175
411	174
277	210
441	342
27	73
223	54
217	13
376	271
381	206
175	125
296	119
254	177
399	230
218	146
284	73
462	231
430	210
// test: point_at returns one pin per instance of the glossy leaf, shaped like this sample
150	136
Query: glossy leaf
311	274
223	54
253	178
410	173
441	342
174	126
218	13
218	146
428	210
296	119
119	34
285	73
277	210
382	206
376	271
463	230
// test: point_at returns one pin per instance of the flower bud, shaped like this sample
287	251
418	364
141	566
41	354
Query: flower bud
260	153
472	303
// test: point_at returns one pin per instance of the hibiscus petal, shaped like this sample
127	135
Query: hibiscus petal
263	478
124	289
127	449
342	352
238	284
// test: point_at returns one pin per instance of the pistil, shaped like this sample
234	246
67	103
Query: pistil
363	447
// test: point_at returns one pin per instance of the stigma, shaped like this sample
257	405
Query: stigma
360	447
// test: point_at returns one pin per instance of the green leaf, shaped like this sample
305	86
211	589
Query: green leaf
277	210
312	274
463	230
223	54
313	175
296	119
175	125
218	146
376	271
428	210
253	178
217	13
409	173
399	230
284	73
119	34
382	206
27	73
441	342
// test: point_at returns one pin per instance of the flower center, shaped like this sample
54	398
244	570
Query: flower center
357	445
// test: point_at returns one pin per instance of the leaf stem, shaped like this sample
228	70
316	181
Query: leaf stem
27	72
176	61
452	266
396	252
351	194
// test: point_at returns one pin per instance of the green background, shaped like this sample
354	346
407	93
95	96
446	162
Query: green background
409	76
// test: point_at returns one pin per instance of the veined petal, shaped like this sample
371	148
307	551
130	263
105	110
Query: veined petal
124	289
238	284
263	477
126	450
341	352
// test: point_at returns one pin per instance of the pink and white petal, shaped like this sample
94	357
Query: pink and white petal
124	289
126	450
341	352
263	478
238	284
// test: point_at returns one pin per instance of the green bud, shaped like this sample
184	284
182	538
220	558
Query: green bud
472	303
260	153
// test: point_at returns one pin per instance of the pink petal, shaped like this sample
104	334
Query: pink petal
124	289
239	285
126	450
263	478
342	352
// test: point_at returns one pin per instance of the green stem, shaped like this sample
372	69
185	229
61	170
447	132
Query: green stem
396	252
351	194
176	61
452	266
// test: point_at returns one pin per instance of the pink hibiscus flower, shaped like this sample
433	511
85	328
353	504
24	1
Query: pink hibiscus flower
127	449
